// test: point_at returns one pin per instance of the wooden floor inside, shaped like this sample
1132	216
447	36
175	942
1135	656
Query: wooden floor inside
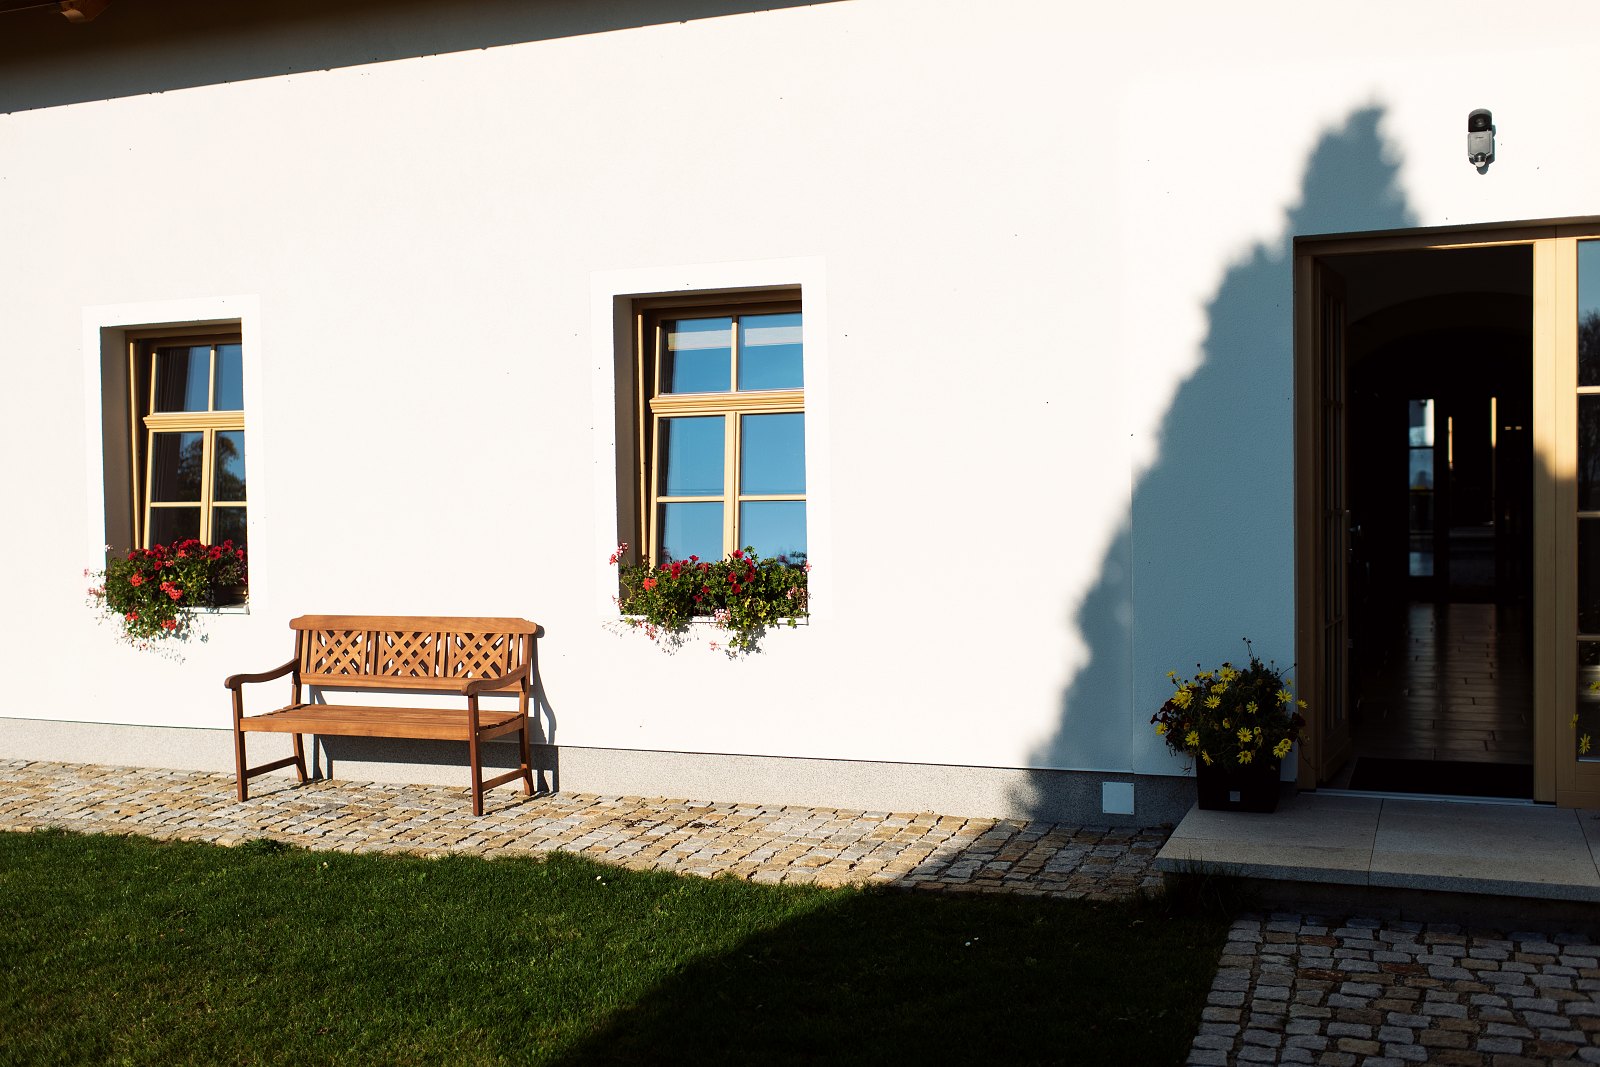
1444	682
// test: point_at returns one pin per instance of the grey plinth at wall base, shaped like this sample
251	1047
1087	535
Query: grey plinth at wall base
1083	798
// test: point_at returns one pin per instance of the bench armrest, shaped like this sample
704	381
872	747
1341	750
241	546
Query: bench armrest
480	685
235	681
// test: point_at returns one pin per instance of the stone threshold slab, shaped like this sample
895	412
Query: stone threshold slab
1513	851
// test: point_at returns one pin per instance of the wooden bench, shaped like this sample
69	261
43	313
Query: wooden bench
459	656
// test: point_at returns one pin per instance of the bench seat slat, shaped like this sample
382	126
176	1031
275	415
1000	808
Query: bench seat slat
350	720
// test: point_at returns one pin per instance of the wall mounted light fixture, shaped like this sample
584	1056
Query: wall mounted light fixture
1480	139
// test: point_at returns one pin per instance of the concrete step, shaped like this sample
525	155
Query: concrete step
1402	857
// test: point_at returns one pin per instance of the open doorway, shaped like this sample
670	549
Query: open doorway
1437	469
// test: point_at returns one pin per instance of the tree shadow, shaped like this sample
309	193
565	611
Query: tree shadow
896	977
136	48
1208	556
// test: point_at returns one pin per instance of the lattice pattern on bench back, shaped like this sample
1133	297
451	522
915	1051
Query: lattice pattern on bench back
408	652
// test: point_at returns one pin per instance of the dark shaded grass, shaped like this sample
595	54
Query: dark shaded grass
126	950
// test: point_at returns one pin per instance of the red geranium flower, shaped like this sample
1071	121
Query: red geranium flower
649	583
169	624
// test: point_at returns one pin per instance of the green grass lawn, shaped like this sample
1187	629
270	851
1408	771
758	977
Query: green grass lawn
126	950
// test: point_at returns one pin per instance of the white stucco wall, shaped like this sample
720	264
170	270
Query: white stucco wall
1045	259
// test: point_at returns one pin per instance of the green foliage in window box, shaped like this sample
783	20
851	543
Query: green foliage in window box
744	594
154	590
1229	717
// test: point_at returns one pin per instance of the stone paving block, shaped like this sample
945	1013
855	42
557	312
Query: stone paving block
1499	1044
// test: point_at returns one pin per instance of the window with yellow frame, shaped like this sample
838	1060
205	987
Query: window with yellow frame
187	439
722	427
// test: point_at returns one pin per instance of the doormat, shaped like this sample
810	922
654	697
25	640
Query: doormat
1448	778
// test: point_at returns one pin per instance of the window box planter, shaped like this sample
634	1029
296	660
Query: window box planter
744	595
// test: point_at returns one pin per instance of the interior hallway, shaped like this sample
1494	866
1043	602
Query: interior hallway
1444	682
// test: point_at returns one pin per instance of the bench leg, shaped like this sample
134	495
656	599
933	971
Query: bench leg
300	759
527	765
238	759
477	773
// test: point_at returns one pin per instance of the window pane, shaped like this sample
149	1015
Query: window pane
1422	468
1589	576
1589	453
1587	729
227	524
229	464
230	378
772	452
173	524
773	527
1421	422
699	356
183	378
176	460
770	352
691	456
691	530
1589	312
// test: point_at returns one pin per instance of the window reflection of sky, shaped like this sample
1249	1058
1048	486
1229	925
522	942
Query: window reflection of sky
773	527
1588	277
691	530
770	352
230	378
692	448
698	357
773	452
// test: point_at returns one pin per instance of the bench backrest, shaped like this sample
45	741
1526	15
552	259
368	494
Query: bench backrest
408	652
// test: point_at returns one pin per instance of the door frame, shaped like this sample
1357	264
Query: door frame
1558	775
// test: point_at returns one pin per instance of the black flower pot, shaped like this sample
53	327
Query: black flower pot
1253	787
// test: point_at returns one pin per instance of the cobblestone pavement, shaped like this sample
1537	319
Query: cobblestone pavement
763	843
1295	989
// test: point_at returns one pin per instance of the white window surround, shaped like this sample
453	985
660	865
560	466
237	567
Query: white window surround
107	324
611	294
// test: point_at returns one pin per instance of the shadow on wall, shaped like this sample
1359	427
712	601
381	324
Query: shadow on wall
1185	581
135	48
